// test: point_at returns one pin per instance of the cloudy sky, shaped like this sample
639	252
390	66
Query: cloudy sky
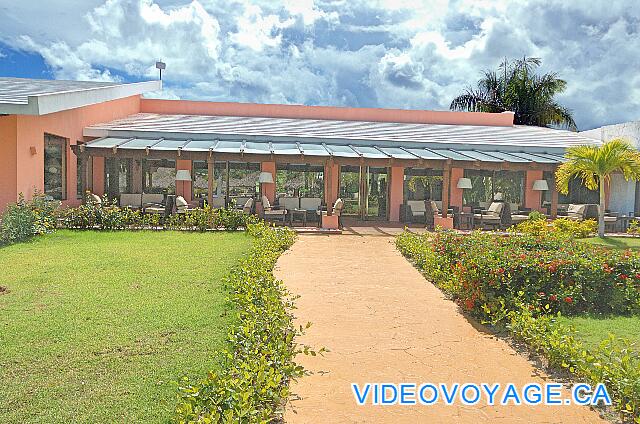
376	53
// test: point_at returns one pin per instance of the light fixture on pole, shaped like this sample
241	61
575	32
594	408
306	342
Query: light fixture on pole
160	65
183	175
540	185
464	184
264	178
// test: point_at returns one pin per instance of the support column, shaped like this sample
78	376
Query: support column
396	192
136	176
554	199
445	221
210	182
98	175
269	190
532	199
184	188
455	198
331	183
82	163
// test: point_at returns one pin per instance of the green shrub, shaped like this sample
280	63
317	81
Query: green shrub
537	225
250	384
109	216
634	227
521	281
25	219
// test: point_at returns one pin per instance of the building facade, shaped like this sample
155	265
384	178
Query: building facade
63	137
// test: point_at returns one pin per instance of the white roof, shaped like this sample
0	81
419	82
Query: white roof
361	133
22	96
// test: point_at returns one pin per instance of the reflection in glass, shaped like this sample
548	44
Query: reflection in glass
55	166
159	176
117	176
299	180
422	184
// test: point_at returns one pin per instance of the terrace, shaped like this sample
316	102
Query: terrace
383	169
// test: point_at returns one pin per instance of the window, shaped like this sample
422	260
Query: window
201	179
422	184
55	166
299	180
486	184
243	179
159	176
117	176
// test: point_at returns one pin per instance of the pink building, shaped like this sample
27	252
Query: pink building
65	137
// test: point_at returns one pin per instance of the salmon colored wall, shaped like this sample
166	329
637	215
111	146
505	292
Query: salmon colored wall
532	199
68	124
331	183
325	112
183	188
269	190
396	195
455	198
8	162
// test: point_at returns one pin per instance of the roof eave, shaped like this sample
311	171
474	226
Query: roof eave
43	104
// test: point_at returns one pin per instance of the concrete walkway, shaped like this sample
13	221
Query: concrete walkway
384	323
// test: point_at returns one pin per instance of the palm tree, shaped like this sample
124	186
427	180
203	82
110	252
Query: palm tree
516	87
595	165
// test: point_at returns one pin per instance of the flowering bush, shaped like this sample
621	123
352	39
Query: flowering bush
554	274
521	281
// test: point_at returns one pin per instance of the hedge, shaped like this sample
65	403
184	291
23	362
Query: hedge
521	282
250	384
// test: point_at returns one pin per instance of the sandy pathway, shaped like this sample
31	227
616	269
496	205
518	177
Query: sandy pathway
384	323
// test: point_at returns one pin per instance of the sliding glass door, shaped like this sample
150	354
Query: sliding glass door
364	190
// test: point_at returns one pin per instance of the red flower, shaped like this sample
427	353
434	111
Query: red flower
553	298
523	256
469	304
568	299
638	276
623	276
500	270
541	294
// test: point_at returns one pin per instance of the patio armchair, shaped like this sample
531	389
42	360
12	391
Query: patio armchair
182	206
519	215
311	205
218	202
579	212
131	200
272	212
338	206
497	215
93	199
415	211
432	211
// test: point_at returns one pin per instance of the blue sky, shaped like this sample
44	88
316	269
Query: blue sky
376	53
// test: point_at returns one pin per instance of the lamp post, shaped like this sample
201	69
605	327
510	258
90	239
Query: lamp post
183	175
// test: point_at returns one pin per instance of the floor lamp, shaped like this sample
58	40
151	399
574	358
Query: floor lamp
464	184
541	186
183	175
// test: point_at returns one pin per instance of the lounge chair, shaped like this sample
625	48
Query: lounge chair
311	205
182	206
93	199
218	202
272	212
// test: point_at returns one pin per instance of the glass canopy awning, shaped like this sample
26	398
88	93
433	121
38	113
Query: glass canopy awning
317	149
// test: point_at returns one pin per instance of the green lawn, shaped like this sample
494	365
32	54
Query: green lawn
594	330
98	326
615	242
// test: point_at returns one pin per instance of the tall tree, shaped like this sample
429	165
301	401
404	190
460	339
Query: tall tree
594	165
515	87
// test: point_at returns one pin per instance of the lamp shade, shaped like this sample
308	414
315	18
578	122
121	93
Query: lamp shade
183	175
265	178
540	185
464	183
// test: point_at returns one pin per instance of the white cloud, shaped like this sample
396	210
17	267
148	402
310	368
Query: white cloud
384	53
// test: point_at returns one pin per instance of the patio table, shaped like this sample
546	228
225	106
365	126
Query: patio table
300	213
